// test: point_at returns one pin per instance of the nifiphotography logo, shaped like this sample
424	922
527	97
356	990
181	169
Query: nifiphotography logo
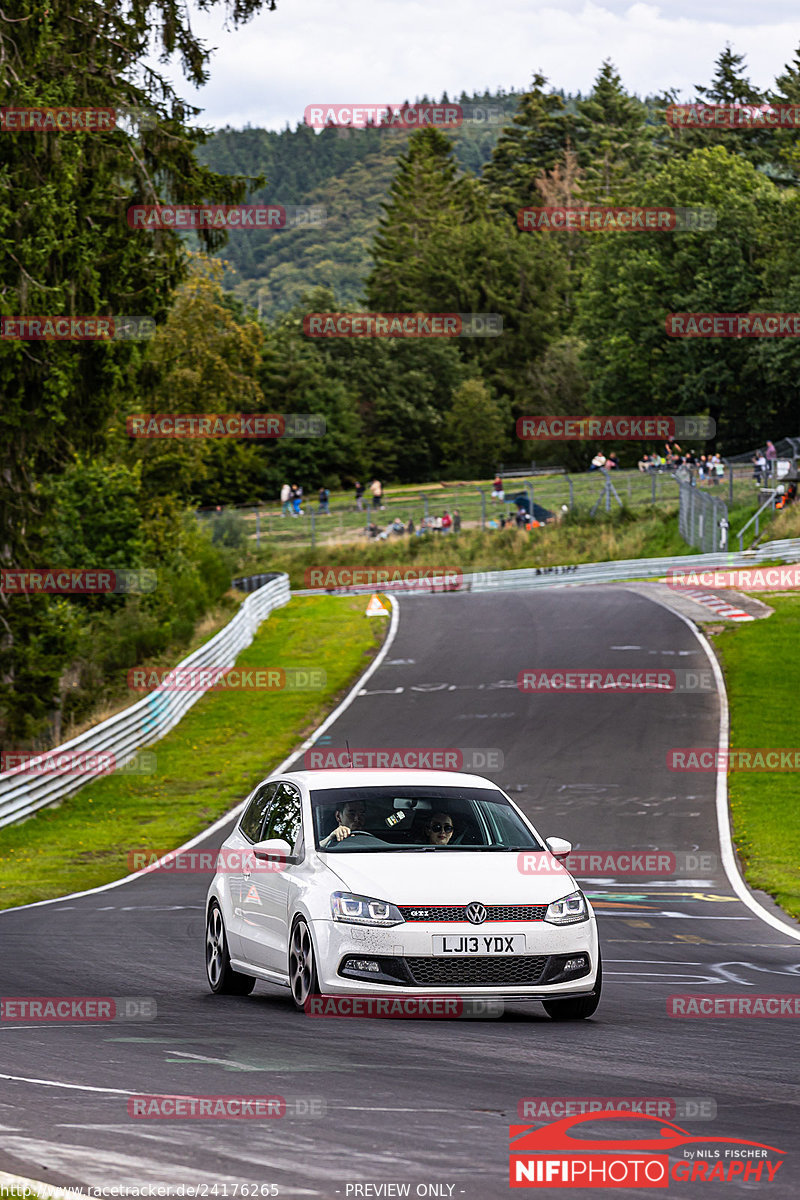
587	1151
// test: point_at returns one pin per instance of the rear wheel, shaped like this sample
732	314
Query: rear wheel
222	979
302	967
578	1008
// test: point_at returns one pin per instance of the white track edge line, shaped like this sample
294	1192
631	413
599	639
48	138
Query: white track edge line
223	820
723	815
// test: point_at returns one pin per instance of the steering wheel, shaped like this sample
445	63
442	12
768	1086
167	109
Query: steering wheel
353	833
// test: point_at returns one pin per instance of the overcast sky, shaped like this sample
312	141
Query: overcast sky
386	51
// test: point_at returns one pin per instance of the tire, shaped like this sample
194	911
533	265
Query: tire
579	1007
222	979
303	978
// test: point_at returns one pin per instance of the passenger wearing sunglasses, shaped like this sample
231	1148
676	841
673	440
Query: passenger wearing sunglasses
439	828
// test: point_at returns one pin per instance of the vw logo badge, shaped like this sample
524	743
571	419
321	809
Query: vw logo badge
476	912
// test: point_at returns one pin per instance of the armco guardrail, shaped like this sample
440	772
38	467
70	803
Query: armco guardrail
787	550
146	721
631	568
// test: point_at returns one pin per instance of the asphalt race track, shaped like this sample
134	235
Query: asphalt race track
429	1102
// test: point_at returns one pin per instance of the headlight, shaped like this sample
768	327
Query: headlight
364	910
568	910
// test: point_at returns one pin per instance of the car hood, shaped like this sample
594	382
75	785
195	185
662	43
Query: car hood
447	877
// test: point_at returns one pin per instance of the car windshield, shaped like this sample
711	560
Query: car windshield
411	817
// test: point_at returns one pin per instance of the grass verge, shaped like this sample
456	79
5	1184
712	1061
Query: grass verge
206	765
758	660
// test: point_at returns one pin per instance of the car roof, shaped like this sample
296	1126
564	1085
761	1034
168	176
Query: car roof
382	777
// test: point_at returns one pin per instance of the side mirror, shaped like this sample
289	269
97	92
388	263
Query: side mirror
273	848
558	847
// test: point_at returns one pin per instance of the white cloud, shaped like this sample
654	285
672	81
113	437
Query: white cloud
372	51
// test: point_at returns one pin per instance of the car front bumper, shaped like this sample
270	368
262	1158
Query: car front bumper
403	952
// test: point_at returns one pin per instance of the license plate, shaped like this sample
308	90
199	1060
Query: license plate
479	943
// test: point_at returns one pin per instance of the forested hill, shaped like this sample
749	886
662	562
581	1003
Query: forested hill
349	171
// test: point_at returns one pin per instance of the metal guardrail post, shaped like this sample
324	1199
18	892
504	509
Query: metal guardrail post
571	493
424	498
529	489
653	479
258	529
312	514
482	495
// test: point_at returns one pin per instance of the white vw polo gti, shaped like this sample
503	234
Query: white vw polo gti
398	882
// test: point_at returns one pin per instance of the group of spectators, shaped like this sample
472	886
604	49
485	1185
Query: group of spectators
446	523
710	467
762	464
376	489
292	500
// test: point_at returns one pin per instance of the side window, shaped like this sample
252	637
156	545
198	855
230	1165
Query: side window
257	810
285	819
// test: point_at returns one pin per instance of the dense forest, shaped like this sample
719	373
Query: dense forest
419	222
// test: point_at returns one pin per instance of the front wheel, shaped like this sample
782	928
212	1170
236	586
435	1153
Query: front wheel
302	968
579	1007
222	979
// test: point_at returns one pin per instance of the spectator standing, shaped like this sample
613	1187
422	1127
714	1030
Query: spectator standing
297	499
497	490
456	521
286	499
359	496
410	527
324	497
447	523
770	455
376	487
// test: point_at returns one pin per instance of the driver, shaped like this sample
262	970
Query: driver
350	819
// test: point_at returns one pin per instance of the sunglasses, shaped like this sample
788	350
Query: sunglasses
437	828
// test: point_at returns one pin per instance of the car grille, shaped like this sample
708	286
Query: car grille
458	912
477	972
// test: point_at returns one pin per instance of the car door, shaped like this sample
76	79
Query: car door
237	860
265	894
